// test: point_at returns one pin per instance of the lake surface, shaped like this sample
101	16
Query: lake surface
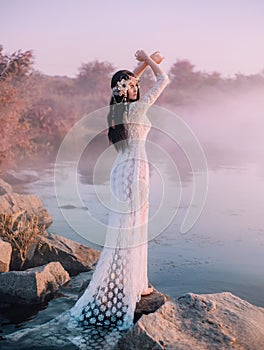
223	251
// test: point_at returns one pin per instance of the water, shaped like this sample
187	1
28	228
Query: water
224	249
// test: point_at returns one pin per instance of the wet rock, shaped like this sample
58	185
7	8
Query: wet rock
206	322
73	256
5	187
13	203
33	285
5	255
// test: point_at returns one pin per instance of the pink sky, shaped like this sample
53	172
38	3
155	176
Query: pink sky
221	35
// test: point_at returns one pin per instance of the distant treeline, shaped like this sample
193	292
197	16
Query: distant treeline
37	110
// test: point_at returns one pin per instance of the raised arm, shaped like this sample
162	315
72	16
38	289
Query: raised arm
161	78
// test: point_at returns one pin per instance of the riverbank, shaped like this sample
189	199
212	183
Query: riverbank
209	258
206	321
202	322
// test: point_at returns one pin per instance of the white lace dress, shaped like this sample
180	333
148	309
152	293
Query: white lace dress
107	306
121	272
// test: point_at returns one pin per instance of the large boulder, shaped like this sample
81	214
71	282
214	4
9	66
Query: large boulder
13	203
73	256
206	322
5	187
5	255
33	285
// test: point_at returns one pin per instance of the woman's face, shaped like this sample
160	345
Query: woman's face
132	91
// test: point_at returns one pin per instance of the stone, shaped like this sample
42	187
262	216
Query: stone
149	303
206	322
192	322
16	178
5	255
5	187
33	285
13	203
73	256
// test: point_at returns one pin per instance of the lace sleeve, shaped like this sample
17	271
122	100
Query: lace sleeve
138	108
151	96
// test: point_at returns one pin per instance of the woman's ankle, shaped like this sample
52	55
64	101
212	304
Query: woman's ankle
147	291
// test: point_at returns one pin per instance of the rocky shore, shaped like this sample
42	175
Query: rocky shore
48	263
34	263
206	321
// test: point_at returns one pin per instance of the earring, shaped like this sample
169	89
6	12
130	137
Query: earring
113	117
125	114
113	112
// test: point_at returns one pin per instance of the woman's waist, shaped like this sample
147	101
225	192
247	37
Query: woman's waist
133	150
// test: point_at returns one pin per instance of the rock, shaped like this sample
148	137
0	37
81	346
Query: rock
16	178
33	285
149	303
206	322
5	255
5	187
74	257
192	322
15	203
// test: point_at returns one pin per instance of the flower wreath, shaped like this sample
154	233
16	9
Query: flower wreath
121	90
122	86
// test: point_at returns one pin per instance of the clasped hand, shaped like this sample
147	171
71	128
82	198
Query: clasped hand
142	56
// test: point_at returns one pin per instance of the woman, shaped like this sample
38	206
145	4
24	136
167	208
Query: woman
120	277
107	306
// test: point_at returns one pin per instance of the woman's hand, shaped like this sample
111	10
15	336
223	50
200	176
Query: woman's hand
153	61
157	57
141	55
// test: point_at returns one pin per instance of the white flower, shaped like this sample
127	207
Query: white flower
123	86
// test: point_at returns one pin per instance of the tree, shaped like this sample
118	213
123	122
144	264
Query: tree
15	88
94	77
17	65
182	75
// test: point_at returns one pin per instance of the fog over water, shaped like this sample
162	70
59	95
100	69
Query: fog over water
223	251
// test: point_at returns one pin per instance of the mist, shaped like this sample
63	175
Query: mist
229	128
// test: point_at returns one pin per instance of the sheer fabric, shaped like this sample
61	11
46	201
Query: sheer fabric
121	272
106	308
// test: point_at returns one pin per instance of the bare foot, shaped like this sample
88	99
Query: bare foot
147	291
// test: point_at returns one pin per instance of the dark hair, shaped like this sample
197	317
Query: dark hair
118	135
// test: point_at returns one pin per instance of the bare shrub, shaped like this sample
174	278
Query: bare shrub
20	230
